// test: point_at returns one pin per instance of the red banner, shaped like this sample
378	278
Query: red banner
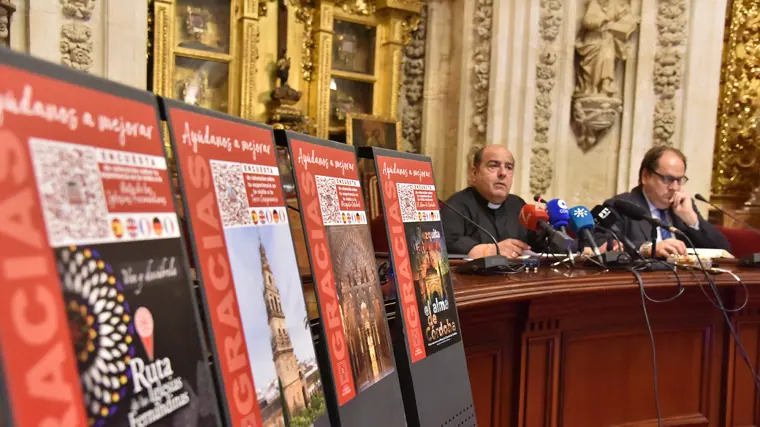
36	114
322	169
208	152
416	179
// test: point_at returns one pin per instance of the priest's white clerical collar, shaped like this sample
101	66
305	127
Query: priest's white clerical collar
494	206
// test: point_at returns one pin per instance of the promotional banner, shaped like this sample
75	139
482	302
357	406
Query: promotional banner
345	275
419	253
90	156
247	267
352	313
427	340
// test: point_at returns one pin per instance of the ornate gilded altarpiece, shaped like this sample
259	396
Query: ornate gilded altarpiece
204	52
736	165
358	50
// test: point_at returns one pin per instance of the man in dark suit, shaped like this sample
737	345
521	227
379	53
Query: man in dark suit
662	176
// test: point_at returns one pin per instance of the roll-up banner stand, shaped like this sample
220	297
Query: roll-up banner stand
99	322
245	259
428	338
354	337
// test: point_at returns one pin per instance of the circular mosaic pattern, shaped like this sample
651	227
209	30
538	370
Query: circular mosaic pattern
102	329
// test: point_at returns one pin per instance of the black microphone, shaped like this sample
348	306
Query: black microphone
538	199
488	264
745	224
636	212
606	217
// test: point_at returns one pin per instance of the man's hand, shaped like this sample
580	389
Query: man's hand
512	248
683	207
669	247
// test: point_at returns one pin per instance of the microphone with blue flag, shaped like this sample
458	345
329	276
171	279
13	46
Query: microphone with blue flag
559	218
582	224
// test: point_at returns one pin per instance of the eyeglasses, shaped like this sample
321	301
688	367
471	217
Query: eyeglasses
668	180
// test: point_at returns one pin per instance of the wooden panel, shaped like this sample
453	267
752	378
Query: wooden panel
602	374
490	345
743	402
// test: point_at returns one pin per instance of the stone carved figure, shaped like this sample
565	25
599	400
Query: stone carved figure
606	27
6	11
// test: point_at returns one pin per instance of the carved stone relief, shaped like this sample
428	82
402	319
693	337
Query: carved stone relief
79	9
540	162
76	36
481	73
6	12
413	80
76	46
602	43
668	67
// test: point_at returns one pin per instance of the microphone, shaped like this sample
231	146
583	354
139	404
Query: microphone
486	265
559	219
582	223
636	212
607	218
536	218
744	223
538	199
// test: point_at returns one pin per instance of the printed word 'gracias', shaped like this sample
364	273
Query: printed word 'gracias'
205	137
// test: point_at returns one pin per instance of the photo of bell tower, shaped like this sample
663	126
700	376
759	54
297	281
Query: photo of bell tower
289	372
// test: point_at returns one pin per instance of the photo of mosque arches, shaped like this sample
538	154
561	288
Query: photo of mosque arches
432	283
361	303
277	335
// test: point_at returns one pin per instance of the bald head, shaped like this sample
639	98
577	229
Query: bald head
492	172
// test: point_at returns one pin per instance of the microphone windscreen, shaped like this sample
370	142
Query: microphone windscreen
605	216
580	218
530	215
558	213
630	209
700	198
538	199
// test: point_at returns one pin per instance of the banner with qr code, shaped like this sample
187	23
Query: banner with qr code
237	215
410	205
99	195
343	266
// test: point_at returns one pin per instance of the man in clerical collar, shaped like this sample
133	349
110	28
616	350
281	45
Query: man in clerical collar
662	176
488	203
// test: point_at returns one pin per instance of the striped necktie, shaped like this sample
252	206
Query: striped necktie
664	232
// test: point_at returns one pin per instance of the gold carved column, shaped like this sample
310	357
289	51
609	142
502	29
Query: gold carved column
736	167
358	54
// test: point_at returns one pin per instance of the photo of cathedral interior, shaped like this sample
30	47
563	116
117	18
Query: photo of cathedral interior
361	303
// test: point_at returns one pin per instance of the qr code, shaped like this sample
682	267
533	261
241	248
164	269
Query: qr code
408	203
230	193
328	200
73	200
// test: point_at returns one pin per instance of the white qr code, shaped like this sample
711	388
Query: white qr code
407	201
73	201
230	193
328	199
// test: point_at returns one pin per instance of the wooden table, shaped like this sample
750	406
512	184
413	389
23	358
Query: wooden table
559	348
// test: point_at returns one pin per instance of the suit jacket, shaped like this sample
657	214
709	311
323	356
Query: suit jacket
640	231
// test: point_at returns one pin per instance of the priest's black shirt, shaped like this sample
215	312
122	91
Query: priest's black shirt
503	223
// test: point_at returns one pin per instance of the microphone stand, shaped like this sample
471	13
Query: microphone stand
570	256
492	264
653	237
